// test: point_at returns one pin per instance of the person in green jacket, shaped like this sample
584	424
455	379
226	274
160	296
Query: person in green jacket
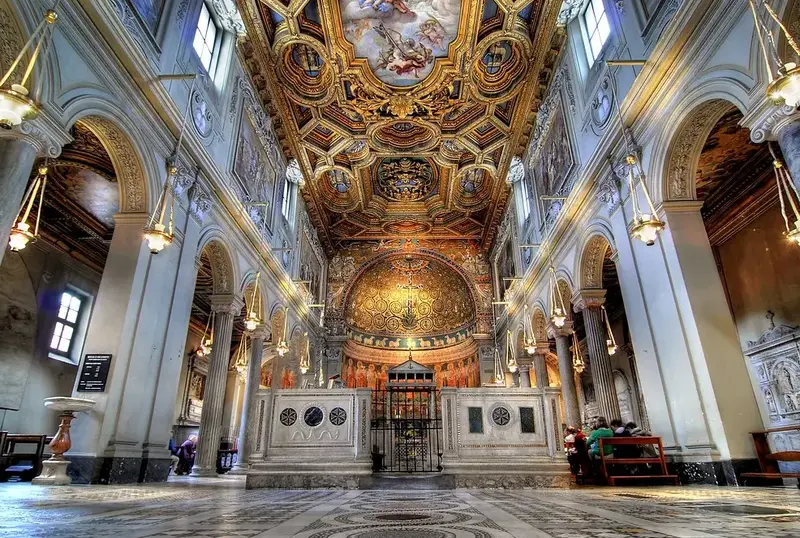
601	429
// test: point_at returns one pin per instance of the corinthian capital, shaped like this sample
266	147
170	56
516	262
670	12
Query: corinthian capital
583	299
43	133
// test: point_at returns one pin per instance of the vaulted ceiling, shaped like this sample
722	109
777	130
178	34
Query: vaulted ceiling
403	115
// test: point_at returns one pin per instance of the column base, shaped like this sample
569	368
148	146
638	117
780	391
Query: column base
203	472
54	473
239	469
116	470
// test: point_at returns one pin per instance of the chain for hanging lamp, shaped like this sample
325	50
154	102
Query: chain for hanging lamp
305	360
646	226
21	234
611	343
253	319
577	361
558	313
283	348
511	360
785	88
206	343
787	192
528	333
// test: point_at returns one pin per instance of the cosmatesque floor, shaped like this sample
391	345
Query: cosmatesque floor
223	508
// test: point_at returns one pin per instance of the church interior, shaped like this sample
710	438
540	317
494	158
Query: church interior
399	268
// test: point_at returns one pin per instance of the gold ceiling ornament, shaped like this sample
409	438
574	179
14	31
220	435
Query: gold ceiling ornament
417	68
611	343
253	319
283	347
786	87
558	313
787	192
577	360
305	360
15	104
158	233
528	334
21	233
204	349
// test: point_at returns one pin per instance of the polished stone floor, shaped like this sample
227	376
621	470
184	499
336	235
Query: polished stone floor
222	508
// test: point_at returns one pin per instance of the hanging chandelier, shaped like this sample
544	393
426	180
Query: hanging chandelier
158	233
21	233
241	357
283	348
558	313
786	87
253	319
528	334
15	105
305	360
205	343
577	361
611	344
499	374
787	192
511	360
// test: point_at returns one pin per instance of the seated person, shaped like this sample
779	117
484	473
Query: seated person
575	447
624	451
601	429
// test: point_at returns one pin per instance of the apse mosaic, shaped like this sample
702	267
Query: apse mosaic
400	38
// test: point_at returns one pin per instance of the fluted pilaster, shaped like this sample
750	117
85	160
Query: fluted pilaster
225	307
568	392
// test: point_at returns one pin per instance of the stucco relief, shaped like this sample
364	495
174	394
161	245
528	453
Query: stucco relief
592	262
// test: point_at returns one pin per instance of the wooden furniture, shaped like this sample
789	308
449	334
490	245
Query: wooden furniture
21	462
768	460
659	460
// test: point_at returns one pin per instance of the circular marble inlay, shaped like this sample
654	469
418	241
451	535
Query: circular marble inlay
288	416
338	416
402	517
402	533
313	416
501	416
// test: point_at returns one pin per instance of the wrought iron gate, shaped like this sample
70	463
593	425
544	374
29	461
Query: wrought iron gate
406	430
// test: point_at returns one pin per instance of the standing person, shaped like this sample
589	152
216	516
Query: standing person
173	453
186	455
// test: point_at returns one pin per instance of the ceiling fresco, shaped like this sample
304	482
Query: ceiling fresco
403	115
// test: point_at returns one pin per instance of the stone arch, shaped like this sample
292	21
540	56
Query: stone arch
565	287
684	143
590	269
247	288
139	178
222	265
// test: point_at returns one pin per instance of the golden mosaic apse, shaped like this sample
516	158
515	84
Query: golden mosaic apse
439	298
401	111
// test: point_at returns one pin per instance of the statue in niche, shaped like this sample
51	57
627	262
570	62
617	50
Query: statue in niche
790	405
770	400
197	387
786	382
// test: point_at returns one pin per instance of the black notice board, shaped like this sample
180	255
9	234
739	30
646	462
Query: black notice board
94	373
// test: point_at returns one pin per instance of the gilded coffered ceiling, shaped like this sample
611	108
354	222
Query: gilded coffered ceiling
402	114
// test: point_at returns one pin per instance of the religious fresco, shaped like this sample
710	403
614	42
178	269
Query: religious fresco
150	12
400	38
255	172
461	373
554	160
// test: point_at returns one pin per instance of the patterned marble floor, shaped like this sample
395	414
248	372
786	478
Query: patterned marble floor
219	509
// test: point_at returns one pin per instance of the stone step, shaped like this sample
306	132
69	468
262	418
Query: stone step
417	481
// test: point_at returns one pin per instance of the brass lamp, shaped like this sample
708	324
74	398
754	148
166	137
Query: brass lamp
529	336
646	226
205	343
253	319
305	361
611	343
21	233
283	348
558	313
786	86
511	360
577	361
15	105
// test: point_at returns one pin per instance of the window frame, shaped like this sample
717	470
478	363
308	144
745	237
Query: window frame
587	35
76	326
216	48
288	199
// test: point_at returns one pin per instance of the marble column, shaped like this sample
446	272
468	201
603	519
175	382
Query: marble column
525	374
589	302
568	392
17	157
248	426
540	367
789	142
225	307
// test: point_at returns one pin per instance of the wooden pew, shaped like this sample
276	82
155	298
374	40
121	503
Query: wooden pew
768	460
26	465
660	460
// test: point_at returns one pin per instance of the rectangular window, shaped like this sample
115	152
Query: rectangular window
205	38
596	28
526	199
288	202
526	422
68	316
475	415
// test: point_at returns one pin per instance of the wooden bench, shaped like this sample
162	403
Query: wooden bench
23	464
628	441
768	460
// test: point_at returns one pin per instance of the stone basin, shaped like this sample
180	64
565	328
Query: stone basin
65	403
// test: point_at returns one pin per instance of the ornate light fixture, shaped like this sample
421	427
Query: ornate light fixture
241	358
528	334
611	344
786	192
21	231
15	105
253	318
205	343
577	361
158	233
646	226
305	360
499	377
558	313
283	348
511	360
786	87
